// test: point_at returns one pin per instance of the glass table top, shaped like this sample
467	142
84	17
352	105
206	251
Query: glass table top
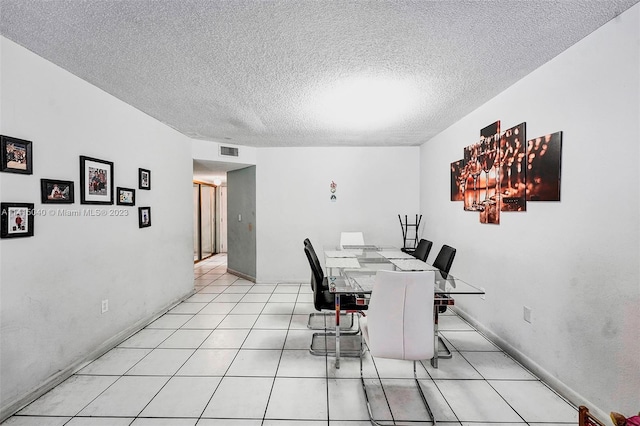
357	276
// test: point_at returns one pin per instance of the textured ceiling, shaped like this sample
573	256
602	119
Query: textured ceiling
258	73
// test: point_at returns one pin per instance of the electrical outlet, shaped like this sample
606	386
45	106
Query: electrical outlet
483	295
105	305
527	314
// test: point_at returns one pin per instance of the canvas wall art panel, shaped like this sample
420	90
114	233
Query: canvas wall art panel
513	169
544	157
489	157
458	180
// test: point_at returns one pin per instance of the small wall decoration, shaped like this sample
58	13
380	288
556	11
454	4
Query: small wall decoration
333	189
144	217
126	196
96	181
16	220
500	173
16	155
54	191
543	167
144	179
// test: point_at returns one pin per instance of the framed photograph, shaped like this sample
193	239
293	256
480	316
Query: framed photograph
54	191
96	181
16	155
16	220
144	217
144	179
126	197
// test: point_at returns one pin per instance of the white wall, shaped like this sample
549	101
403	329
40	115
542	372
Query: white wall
52	284
574	262
293	201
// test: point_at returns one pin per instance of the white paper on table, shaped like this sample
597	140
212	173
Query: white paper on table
338	253
395	254
342	262
412	265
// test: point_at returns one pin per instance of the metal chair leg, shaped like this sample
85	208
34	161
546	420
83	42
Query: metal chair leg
366	397
424	399
314	350
447	351
324	316
436	343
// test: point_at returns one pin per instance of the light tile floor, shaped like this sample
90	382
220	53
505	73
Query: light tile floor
237	354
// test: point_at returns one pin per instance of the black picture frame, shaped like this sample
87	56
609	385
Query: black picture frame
16	220
126	196
96	181
144	217
54	191
16	155
144	179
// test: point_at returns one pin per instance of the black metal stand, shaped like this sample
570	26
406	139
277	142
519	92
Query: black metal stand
409	233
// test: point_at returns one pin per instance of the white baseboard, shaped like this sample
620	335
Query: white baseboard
17	404
241	275
552	381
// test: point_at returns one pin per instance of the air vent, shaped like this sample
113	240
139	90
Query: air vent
228	151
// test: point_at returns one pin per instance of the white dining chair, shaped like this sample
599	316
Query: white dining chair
399	322
351	239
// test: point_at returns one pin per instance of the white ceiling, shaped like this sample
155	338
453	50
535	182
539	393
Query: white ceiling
280	73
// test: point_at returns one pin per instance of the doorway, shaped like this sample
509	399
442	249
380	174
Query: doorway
204	220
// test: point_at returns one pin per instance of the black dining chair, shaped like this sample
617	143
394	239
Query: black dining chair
443	262
422	251
325	319
444	259
324	301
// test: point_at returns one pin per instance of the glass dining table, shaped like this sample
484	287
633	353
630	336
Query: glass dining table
352	270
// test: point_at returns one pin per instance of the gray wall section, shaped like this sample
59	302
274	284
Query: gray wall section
241	234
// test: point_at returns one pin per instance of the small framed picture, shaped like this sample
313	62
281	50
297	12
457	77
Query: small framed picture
16	220
144	217
54	191
96	181
16	155
144	179
126	197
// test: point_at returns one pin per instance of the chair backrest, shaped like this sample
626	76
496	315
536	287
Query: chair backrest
587	419
316	261
444	260
307	243
317	276
351	239
400	315
317	279
422	251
